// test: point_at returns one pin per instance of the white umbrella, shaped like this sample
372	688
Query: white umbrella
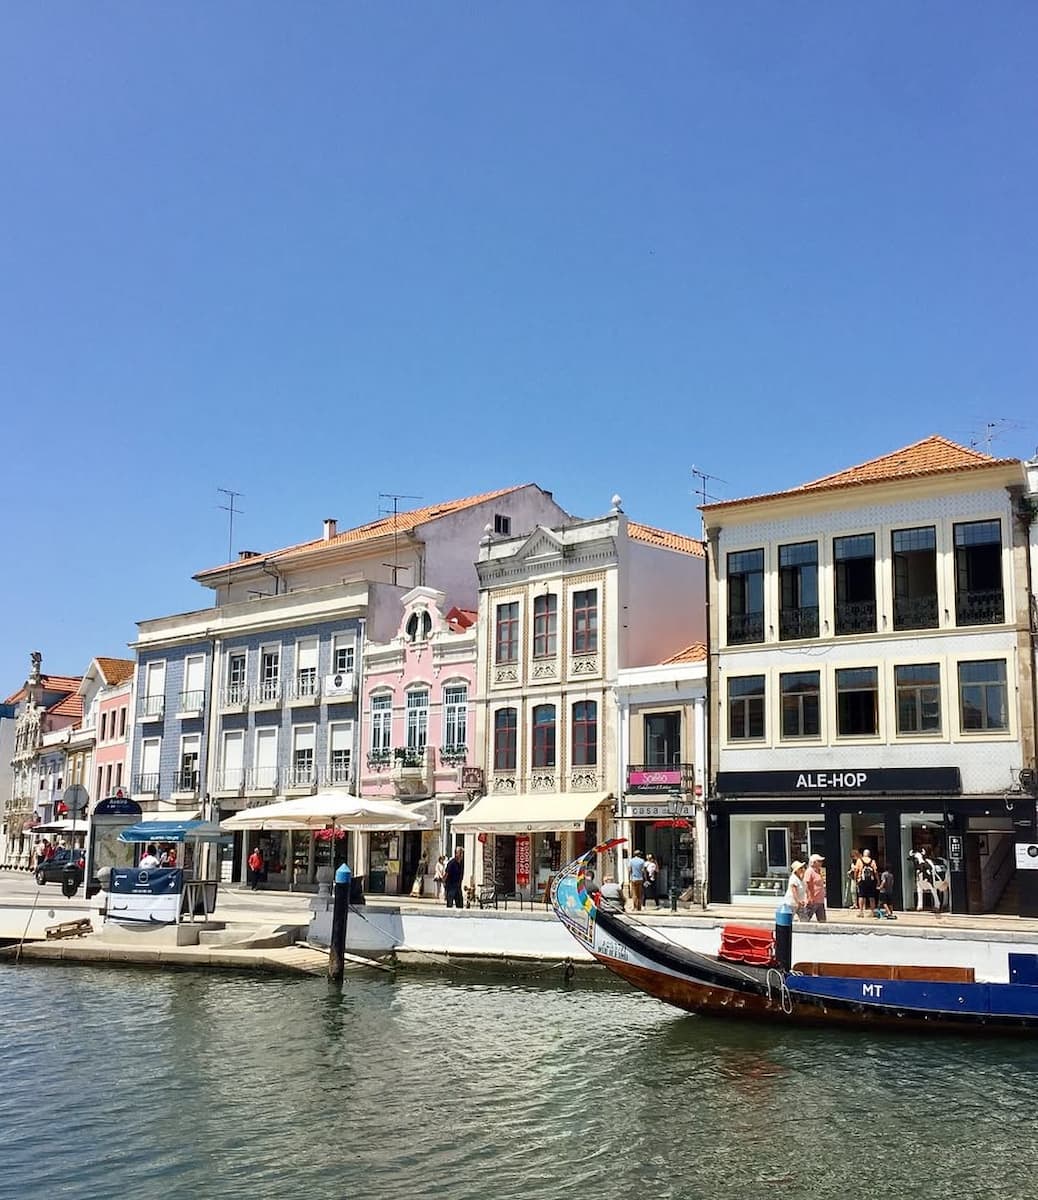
328	808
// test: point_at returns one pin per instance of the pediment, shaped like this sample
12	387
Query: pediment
542	543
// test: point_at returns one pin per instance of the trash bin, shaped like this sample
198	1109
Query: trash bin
357	890
69	883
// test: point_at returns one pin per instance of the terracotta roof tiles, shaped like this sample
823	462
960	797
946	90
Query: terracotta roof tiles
691	654
69	706
116	670
50	683
664	539
934	455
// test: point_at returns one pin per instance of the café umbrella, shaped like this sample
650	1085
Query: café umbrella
328	808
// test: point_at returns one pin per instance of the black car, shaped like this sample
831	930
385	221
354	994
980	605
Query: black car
53	870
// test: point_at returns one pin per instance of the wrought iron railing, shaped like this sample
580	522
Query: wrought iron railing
855	616
261	779
798	623
980	608
191	701
148	781
230	779
235	694
185	780
269	691
453	756
915	612
406	756
377	759
302	776
337	775
153	706
745	627
305	686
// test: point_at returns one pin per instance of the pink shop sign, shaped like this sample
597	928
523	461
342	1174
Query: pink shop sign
651	781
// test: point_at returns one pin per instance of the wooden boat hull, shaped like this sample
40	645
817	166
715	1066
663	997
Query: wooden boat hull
854	997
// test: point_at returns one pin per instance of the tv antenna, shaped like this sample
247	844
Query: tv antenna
992	430
702	477
232	512
396	497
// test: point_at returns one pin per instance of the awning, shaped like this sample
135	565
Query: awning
172	831
548	812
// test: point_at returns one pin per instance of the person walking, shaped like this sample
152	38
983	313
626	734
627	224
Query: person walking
441	866
796	889
453	873
637	870
255	868
850	886
814	881
885	895
868	883
652	879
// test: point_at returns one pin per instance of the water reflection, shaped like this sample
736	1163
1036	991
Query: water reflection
422	1086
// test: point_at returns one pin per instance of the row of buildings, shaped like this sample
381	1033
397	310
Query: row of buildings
847	663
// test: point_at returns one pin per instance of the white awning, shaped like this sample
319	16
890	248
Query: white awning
547	812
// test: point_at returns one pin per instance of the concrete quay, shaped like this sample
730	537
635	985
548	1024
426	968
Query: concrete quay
506	938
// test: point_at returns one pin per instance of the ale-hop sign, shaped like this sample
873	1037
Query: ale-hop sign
840	780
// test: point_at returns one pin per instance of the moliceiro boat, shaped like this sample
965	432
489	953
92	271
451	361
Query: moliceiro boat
754	976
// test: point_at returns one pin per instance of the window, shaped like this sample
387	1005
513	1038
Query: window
100	775
417	719
978	573
505	728
303	741
236	663
148	779
122	722
187	778
270	674
502	524
108	782
154	689
104	727
746	707
801	711
857	702
455	715
419	627
265	768
340	749
193	696
342	654
914	553
381	722
855	559
543	736
983	701
746	596
507	632
585	733
118	774
545	625
798	582
306	669
662	739
585	622
232	775
918	692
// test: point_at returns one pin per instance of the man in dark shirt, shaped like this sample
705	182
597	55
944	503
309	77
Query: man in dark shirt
452	876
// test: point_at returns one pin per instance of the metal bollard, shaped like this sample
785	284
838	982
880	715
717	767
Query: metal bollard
340	913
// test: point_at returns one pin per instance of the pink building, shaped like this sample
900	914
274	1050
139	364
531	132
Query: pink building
113	726
417	736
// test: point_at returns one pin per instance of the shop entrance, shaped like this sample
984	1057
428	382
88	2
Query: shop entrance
504	863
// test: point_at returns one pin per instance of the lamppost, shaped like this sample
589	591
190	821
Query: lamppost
677	811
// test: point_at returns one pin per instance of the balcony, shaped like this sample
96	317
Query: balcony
915	612
261	781
153	708
230	781
185	784
648	779
190	704
979	608
338	775
235	698
412	771
379	760
745	628
453	756
305	689
855	616
146	784
301	780
798	623
268	694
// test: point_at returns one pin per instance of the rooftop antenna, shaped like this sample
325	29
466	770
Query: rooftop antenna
701	477
396	497
991	430
231	511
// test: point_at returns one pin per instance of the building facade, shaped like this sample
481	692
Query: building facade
561	612
871	677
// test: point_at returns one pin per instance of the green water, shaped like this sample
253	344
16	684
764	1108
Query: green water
120	1083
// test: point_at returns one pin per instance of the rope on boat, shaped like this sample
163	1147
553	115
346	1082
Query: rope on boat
785	998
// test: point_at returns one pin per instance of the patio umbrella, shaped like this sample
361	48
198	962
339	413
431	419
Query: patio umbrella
328	808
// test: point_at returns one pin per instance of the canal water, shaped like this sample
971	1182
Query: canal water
125	1083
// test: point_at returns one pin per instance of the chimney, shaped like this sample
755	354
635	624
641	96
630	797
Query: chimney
331	526
244	554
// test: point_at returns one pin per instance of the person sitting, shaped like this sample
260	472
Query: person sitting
149	859
611	895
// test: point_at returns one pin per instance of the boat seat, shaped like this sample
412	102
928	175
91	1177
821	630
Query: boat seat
913	974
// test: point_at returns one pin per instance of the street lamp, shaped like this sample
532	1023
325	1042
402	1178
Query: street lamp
677	811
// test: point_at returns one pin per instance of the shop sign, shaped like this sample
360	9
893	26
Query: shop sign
840	781
659	779
635	810
955	851
1026	856
522	860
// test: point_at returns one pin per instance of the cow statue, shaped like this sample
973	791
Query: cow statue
931	875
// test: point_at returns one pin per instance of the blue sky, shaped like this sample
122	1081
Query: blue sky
313	252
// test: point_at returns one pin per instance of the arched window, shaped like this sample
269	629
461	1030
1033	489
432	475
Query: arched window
585	733
504	739
544	736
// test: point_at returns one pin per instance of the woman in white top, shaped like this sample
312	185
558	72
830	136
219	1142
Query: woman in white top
796	889
441	866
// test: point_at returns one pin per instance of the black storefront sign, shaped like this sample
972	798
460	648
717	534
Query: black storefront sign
840	781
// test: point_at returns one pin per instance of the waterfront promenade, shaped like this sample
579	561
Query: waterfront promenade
437	937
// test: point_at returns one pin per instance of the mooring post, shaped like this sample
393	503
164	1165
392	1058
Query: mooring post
784	937
340	912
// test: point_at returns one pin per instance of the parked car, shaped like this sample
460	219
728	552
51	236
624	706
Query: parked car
53	871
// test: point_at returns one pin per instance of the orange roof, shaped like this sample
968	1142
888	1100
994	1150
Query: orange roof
49	683
933	455
116	670
664	539
404	522
461	618
691	654
70	706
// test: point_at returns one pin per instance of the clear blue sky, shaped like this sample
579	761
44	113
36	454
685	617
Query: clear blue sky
317	251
